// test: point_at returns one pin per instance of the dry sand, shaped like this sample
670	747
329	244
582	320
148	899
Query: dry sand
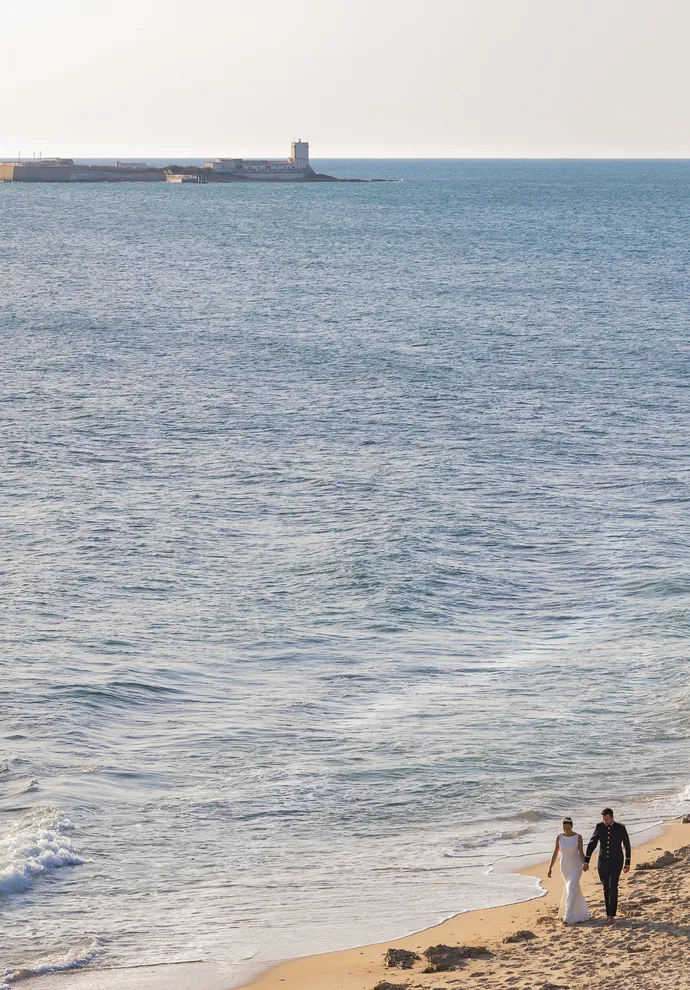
648	947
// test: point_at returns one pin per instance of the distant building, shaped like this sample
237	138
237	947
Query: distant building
23	162
295	167
300	153
64	170
197	175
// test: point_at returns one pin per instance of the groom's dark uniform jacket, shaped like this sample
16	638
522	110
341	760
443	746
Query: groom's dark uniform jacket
612	840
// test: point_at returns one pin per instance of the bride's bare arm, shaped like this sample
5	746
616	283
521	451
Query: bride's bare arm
580	849
555	853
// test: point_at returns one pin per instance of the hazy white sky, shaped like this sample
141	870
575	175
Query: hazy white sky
357	78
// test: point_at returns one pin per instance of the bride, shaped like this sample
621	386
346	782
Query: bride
573	904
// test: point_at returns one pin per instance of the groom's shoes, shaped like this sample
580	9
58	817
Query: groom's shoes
610	919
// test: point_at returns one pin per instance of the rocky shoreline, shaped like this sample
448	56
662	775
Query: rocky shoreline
208	176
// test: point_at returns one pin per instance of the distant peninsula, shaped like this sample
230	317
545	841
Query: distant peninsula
296	168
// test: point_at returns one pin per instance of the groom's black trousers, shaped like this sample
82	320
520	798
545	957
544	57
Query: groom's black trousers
609	874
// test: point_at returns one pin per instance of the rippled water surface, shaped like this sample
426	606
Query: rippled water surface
345	547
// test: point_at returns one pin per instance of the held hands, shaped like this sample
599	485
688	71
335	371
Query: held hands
626	868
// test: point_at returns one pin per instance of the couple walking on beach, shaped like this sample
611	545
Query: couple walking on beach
614	858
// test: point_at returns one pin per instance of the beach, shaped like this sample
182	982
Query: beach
646	948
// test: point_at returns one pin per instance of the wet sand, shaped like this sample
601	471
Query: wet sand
647	948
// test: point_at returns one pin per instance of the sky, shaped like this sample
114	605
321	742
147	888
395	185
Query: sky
356	78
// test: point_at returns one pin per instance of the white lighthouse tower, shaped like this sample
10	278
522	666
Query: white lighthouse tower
300	153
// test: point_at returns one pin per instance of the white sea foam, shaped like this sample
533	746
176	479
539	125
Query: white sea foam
32	846
57	962
491	839
682	797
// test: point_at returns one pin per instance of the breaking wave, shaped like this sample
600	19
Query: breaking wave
53	963
32	846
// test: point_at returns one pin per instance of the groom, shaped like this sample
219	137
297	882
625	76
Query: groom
613	839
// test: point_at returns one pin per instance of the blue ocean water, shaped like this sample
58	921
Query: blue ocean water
344	547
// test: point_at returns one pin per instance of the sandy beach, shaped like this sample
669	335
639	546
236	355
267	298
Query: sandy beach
646	948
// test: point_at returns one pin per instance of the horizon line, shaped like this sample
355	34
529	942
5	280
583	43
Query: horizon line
369	157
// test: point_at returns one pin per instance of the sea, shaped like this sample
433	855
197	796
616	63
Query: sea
345	542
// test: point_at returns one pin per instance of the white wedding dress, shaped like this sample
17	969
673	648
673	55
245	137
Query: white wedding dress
573	904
